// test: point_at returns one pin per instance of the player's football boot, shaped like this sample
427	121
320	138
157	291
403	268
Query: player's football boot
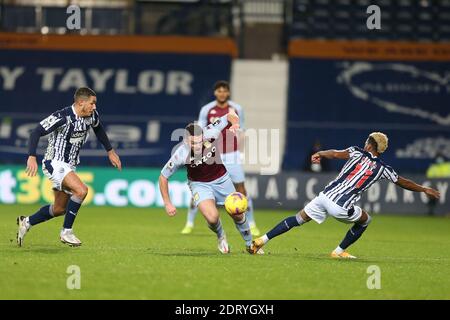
187	229
251	250
66	236
223	245
254	230
24	226
343	255
256	246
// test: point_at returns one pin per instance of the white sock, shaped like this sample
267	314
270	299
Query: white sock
338	250
249	213
191	216
265	239
244	229
27	223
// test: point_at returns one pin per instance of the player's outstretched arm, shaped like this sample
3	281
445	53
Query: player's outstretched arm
412	186
330	154
164	189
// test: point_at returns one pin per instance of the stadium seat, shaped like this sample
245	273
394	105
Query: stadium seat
109	20
19	18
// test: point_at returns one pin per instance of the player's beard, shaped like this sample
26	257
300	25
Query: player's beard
222	101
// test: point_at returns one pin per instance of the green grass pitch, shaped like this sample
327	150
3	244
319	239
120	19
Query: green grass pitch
131	253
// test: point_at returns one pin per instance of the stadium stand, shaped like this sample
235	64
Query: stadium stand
425	20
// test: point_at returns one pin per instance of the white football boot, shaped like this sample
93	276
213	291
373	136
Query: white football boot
22	230
223	245
67	236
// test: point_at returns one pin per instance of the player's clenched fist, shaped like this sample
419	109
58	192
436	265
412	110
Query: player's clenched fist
315	158
171	210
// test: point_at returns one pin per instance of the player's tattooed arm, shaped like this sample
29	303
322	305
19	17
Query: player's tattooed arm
412	186
164	189
330	154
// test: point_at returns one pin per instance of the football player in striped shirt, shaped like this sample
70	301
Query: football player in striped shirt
362	169
230	153
67	131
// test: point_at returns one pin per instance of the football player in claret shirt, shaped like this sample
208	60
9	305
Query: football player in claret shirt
229	147
67	131
208	178
362	169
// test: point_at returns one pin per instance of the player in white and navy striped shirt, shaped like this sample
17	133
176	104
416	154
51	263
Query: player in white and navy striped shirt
362	170
67	131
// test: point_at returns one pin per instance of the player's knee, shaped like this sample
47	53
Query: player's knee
301	215
81	192
212	219
237	217
365	219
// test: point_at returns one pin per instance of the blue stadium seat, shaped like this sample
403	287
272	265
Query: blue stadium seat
424	20
18	18
109	20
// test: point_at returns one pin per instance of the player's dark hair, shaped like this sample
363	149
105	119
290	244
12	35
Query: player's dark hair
84	92
194	129
373	143
222	84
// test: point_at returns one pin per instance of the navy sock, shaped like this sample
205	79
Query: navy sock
352	235
283	226
71	213
43	214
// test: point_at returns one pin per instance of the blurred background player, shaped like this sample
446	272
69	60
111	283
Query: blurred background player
230	148
362	170
69	130
208	178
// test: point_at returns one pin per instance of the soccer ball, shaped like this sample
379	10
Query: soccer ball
236	203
